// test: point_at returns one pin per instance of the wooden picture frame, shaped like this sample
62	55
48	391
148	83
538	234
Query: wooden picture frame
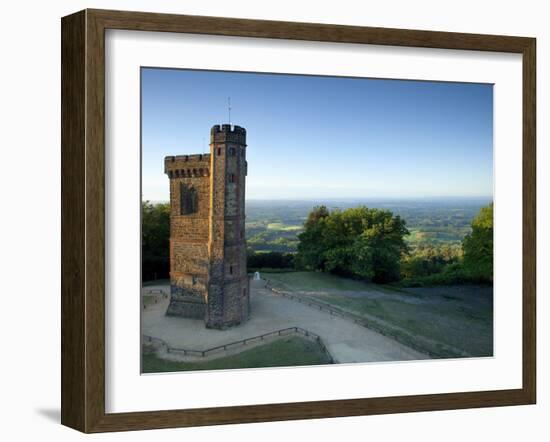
83	220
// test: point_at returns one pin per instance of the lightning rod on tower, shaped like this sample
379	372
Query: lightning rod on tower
229	108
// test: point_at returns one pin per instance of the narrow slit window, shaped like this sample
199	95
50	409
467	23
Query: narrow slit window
188	200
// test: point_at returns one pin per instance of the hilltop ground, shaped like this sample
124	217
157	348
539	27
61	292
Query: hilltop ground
445	321
356	321
346	341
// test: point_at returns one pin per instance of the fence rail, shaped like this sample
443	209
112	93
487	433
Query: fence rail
155	292
317	305
243	342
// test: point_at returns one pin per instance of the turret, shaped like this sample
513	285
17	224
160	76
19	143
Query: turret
228	288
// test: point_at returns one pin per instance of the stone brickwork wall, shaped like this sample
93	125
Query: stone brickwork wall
207	245
189	261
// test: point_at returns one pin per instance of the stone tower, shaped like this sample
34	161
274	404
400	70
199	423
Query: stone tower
208	277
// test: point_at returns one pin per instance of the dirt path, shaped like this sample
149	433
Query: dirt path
346	341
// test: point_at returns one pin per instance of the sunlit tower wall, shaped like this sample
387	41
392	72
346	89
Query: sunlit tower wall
189	234
208	277
228	294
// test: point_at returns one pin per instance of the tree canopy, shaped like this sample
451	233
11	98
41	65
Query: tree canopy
361	242
478	245
155	240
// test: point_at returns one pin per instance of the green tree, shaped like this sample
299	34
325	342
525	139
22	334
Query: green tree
155	240
427	259
478	245
377	251
316	214
310	247
361	242
273	260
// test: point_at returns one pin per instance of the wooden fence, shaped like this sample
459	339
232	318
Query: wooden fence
243	342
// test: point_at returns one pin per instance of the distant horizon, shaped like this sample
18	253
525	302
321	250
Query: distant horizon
365	199
314	137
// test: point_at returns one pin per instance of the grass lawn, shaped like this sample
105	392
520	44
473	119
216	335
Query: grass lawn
318	281
291	351
454	323
435	319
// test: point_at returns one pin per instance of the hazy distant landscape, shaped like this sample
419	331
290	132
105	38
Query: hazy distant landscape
274	225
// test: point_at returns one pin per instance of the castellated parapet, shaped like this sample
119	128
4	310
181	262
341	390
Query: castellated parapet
208	277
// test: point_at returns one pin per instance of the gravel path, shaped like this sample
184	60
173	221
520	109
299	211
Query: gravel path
346	341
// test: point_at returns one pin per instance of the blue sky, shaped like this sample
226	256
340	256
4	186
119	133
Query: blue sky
313	137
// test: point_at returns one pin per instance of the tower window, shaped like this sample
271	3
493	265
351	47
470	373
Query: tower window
232	151
230	270
219	150
231	177
188	200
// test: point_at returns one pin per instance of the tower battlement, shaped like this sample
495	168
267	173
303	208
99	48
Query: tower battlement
227	133
198	157
180	166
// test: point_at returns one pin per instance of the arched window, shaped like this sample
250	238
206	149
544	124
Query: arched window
189	201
